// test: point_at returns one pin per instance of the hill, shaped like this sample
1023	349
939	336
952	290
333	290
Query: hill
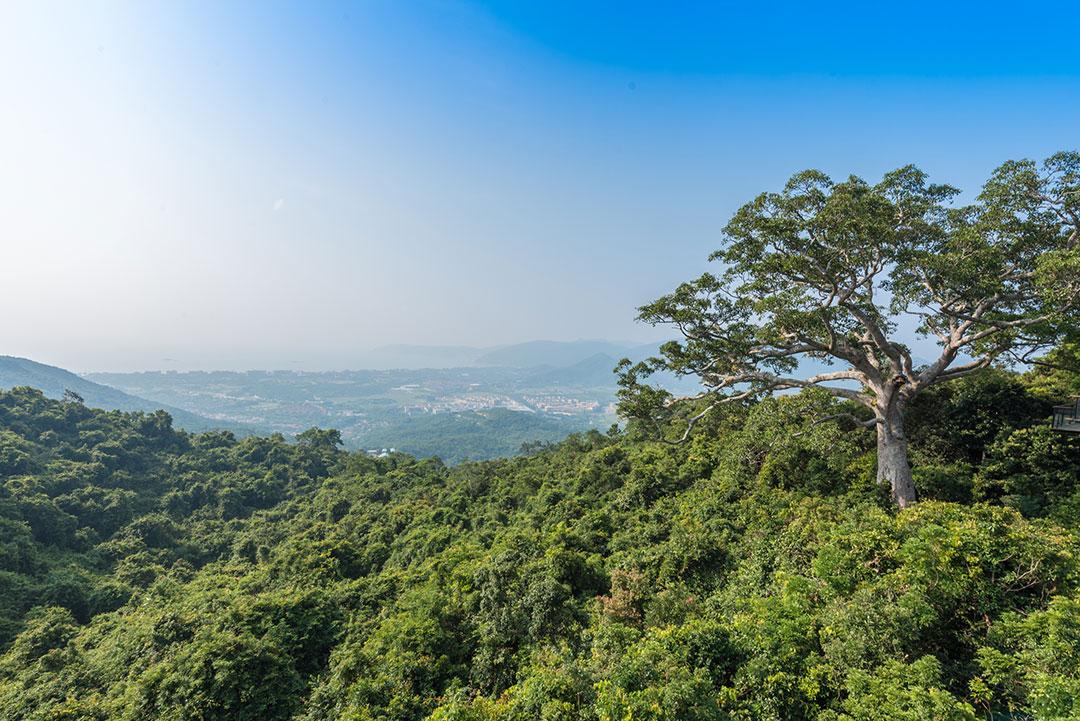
599	371
558	354
755	573
53	381
595	371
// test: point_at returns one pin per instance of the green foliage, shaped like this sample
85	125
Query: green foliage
820	276
1033	662
903	692
755	572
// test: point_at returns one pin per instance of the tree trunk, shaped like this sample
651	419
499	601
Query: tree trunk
893	468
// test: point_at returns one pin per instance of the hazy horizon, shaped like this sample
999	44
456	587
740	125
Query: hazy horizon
361	359
378	358
239	186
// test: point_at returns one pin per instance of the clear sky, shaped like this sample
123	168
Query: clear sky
261	184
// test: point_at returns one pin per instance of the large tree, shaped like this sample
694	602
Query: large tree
840	272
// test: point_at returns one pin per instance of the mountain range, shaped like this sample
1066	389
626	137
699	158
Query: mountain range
530	354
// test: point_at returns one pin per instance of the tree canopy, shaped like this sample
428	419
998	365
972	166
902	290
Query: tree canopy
840	273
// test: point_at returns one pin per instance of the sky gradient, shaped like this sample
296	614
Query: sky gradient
283	185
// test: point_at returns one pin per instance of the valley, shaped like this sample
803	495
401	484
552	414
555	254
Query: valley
544	391
424	412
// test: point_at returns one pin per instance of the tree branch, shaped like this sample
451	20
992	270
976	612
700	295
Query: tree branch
862	423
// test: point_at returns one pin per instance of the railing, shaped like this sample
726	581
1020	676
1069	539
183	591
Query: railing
1067	418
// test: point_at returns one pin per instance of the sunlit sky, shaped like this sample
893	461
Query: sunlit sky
266	185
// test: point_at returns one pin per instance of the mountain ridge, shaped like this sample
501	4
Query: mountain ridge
54	381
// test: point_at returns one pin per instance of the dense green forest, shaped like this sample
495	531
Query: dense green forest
757	571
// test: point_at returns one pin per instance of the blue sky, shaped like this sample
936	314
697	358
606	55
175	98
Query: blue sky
243	185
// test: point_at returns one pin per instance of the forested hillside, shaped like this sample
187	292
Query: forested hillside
755	572
55	382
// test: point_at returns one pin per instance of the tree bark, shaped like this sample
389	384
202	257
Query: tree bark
893	468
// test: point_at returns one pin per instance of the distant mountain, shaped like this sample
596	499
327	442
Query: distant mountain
53	381
531	354
641	352
558	354
595	371
413	357
566	364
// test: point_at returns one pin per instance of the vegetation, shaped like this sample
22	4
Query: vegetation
827	271
756	571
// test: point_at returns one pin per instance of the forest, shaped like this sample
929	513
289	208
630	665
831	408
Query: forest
757	571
